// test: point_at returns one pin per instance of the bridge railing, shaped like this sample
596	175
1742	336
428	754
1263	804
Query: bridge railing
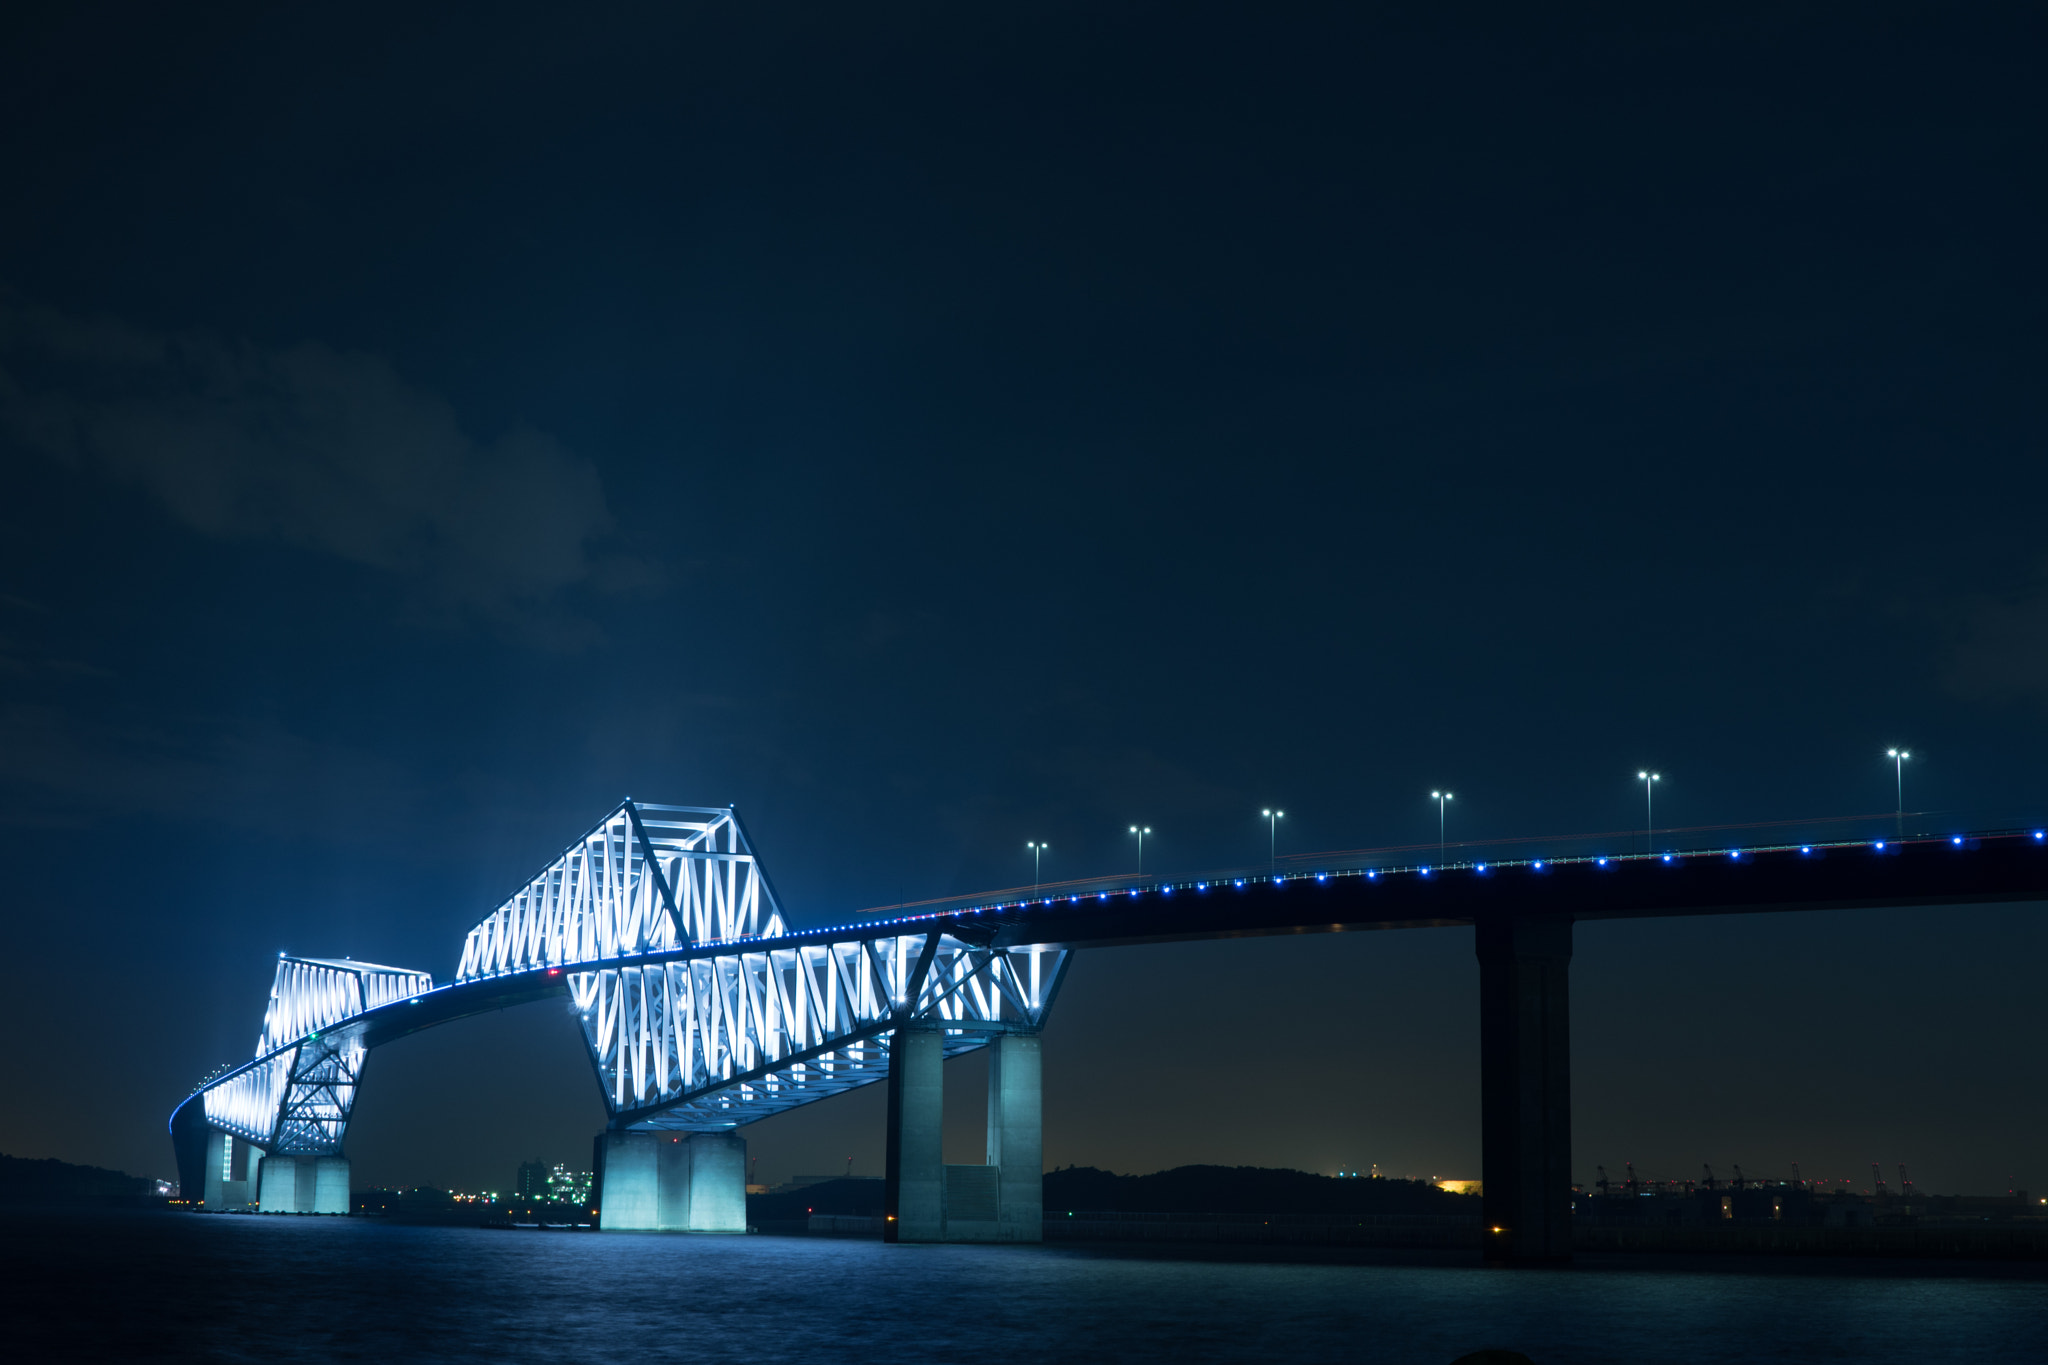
1625	843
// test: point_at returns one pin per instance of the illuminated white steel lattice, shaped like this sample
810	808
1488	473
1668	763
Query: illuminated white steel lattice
700	1009
715	1035
296	1097
646	878
713	1039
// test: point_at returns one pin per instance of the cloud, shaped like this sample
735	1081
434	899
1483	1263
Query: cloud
329	450
2002	651
59	767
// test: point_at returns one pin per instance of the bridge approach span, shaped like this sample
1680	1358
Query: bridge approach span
703	1012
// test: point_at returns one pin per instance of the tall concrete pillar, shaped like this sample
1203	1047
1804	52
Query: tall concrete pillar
718	1182
230	1172
672	1182
629	1181
1016	1136
914	1172
330	1184
1525	1089
278	1184
219	1152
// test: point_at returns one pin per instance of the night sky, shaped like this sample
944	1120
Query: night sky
933	428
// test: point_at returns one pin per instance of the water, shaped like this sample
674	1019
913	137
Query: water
159	1286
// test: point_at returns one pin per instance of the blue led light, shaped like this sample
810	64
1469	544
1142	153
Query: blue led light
1880	845
1166	890
1482	867
1603	862
2041	834
1240	881
1538	864
1667	857
1372	874
1322	876
1425	872
1735	853
1957	841
1806	848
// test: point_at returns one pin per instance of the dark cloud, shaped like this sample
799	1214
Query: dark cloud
2001	653
332	451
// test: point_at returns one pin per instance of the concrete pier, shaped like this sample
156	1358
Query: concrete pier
913	1161
671	1182
1000	1200
330	1184
718	1182
628	1182
286	1184
1016	1136
230	1186
303	1184
1525	1088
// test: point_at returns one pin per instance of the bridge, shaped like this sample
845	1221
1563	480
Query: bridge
702	1011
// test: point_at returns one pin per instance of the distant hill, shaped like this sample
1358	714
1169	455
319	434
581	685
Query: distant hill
855	1198
50	1181
1245	1190
1242	1190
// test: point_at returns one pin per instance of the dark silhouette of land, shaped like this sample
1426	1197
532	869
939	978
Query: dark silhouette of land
24	1180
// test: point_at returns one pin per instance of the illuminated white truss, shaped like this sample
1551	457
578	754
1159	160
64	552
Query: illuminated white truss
701	1010
714	1039
296	1097
246	1103
646	878
310	994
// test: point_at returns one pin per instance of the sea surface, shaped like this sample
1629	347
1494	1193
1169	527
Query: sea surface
103	1285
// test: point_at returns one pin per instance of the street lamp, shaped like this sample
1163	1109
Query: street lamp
1441	799
1273	819
1898	758
1649	811
1141	831
1037	852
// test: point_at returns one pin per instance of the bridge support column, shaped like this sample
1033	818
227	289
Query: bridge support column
671	1182
629	1181
1016	1136
229	1173
914	1172
718	1182
1525	1089
288	1184
330	1184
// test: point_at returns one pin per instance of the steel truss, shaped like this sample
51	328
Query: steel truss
712	1039
296	1098
643	879
700	1010
715	1035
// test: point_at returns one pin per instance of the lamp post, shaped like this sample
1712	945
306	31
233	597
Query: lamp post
1898	758
1037	852
1273	819
1649	781
1442	799
1141	831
